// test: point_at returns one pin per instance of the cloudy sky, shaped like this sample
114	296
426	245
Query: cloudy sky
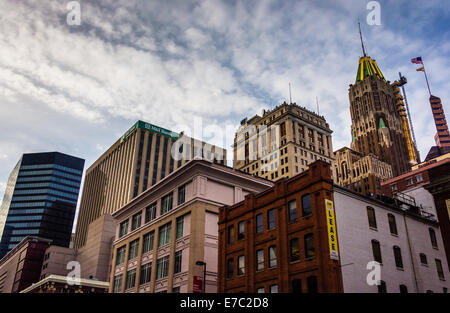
77	89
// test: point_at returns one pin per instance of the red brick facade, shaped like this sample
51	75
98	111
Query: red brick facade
317	272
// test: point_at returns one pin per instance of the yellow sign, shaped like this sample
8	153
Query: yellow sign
331	227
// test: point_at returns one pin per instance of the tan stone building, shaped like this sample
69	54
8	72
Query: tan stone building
167	229
94	257
360	173
282	142
134	163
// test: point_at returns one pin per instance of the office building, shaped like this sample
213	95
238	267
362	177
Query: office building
21	266
282	142
380	132
40	199
134	163
94	257
164	233
283	239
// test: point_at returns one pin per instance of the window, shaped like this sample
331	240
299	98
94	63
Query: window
230	268
241	230
260	260
382	287
164	234
433	238
398	257
259	223
117	285
136	221
274	289
260	290
306	205
178	261
134	247
392	224
123	228
271	219
376	250
292	206
409	181
419	178
241	265
294	250
166	203
403	289
311	281
230	235
148	241
131	279
150	212
371	217
120	257
423	259
272	256
309	246
393	187
439	269
296	286
180	225
162	267
181	194
146	272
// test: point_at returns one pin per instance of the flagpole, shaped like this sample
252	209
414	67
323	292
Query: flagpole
426	78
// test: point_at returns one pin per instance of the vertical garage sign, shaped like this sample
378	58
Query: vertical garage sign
331	227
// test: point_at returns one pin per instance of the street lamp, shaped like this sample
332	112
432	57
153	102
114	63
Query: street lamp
201	263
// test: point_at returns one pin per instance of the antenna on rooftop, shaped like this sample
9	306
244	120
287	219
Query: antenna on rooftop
290	95
362	41
317	103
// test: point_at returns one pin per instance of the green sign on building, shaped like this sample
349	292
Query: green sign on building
153	128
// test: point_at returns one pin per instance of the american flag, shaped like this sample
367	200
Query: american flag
417	60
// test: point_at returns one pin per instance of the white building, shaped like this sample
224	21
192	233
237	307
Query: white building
407	244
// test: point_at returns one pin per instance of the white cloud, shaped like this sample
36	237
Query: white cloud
78	88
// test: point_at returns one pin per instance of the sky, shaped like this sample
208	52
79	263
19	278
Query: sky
77	88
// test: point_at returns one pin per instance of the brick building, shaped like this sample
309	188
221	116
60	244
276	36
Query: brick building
21	266
278	240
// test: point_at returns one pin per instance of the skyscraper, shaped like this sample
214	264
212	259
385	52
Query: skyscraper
382	145
136	161
40	199
377	125
282	142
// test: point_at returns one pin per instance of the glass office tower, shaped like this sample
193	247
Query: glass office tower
40	199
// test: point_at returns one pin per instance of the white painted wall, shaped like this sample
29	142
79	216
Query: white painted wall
355	247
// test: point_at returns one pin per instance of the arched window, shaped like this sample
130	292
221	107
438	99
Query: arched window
371	217
382	287
392	224
423	259
398	257
403	289
376	250
433	238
